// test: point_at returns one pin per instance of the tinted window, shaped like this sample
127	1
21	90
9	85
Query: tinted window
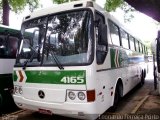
124	38
12	46
131	40
31	46
140	47
114	33
8	46
100	49
137	47
69	38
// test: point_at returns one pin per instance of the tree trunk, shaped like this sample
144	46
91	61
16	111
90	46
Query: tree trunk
6	8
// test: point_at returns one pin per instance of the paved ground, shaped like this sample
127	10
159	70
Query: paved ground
142	103
152	104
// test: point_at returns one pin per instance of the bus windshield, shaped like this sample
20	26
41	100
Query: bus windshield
64	38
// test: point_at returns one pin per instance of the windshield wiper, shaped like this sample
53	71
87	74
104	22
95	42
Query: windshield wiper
57	61
30	59
55	58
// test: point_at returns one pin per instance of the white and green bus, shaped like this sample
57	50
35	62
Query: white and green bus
79	62
9	38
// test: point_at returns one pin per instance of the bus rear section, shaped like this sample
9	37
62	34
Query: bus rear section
9	38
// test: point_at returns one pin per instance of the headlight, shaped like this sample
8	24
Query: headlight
20	90
81	96
71	95
16	89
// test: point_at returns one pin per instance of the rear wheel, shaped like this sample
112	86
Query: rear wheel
145	73
155	79
142	79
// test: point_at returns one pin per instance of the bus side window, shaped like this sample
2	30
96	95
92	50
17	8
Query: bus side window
132	45
114	32
2	47
101	46
137	48
139	44
12	46
124	38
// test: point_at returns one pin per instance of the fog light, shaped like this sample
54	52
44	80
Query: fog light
71	95
81	96
20	90
19	104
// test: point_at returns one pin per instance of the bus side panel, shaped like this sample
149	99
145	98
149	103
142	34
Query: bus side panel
120	64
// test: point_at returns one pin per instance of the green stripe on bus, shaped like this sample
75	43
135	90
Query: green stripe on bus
56	77
118	58
112	55
5	30
15	77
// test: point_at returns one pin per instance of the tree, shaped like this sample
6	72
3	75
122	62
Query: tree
16	6
112	5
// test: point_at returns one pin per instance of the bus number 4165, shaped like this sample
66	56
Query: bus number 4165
73	80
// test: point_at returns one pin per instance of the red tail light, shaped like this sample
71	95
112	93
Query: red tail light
90	95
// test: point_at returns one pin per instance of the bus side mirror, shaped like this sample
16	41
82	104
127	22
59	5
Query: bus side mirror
158	51
102	34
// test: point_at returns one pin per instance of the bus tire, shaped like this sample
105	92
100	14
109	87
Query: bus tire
142	79
145	73
0	102
117	97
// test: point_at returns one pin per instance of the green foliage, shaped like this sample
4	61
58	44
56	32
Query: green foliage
19	5
111	5
33	4
128	12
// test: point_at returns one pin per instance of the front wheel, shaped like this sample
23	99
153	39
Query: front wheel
117	97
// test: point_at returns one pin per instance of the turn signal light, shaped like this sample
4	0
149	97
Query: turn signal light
91	96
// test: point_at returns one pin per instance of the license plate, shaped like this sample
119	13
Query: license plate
43	111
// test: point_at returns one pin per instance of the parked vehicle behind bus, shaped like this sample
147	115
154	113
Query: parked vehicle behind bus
9	38
156	62
79	62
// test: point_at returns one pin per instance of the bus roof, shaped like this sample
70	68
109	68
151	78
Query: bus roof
75	5
59	8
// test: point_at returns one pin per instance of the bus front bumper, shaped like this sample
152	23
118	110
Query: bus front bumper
75	110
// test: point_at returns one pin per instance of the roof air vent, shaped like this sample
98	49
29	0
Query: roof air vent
27	17
78	5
